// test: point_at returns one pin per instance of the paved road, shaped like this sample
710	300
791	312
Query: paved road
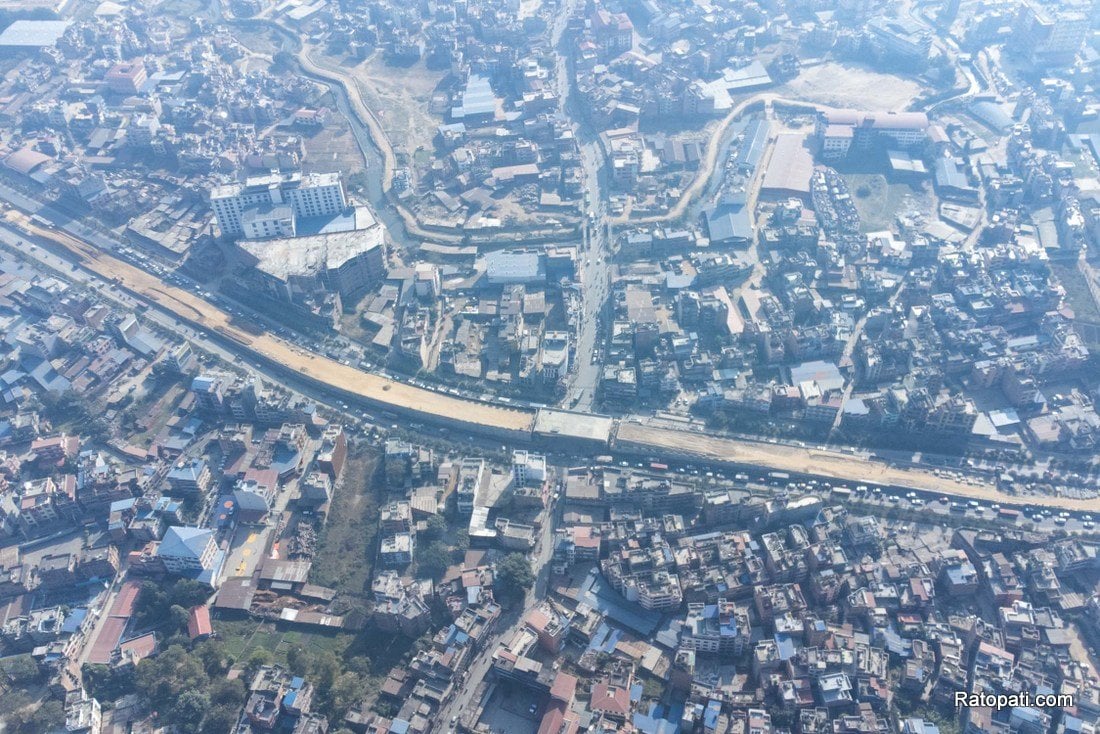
833	465
594	259
200	317
482	662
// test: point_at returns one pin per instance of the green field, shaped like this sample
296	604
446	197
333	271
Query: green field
345	553
243	637
879	201
1077	291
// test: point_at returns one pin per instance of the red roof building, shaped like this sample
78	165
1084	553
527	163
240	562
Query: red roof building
198	623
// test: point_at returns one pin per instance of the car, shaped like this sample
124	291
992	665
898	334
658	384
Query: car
532	708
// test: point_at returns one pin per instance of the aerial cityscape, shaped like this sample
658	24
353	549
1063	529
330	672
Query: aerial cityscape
550	367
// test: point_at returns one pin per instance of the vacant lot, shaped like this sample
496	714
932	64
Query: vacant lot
851	85
1077	291
879	201
243	637
345	553
333	148
400	96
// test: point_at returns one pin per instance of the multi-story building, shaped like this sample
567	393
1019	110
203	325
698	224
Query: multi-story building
126	77
528	470
333	451
899	39
716	629
397	550
190	477
1049	35
472	478
82	713
841	131
274	201
187	550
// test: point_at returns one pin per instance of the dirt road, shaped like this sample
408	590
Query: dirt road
203	315
486	418
829	464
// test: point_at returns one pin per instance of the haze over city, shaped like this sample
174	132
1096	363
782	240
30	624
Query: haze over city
549	366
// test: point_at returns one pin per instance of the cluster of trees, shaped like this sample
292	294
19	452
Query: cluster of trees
74	409
19	713
433	555
190	686
513	578
168	607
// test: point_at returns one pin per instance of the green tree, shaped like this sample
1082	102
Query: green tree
324	669
188	593
21	669
213	658
178	616
437	528
219	720
346	691
302	661
257	659
462	541
513	576
15	709
282	61
432	559
189	708
163	679
47	717
226	692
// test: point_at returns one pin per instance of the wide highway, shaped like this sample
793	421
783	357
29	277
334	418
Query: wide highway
487	419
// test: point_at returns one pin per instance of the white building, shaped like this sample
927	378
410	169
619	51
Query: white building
187	550
839	131
554	357
472	478
529	470
82	714
1050	35
264	198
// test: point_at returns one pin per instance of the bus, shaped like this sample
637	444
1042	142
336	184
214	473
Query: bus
658	466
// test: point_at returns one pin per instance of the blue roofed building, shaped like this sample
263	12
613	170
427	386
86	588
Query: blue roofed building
192	552
916	725
729	224
951	181
753	145
478	104
715	629
190	477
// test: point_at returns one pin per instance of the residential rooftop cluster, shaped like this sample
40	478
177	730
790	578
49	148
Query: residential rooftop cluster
549	367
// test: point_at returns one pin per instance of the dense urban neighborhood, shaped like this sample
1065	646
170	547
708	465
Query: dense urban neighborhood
550	367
